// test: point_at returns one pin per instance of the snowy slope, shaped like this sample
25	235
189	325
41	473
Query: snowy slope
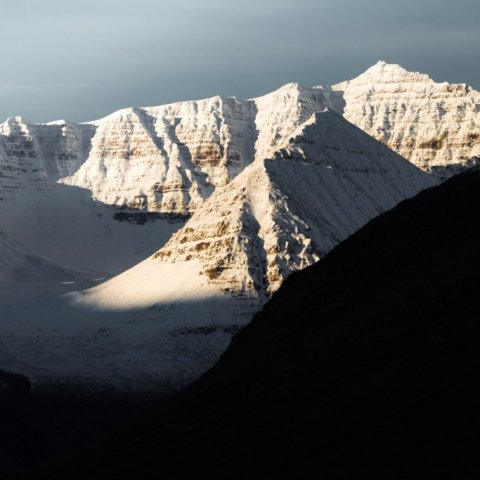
18	264
65	226
434	125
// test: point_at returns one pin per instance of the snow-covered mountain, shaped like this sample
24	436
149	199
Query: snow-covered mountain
171	158
434	125
270	185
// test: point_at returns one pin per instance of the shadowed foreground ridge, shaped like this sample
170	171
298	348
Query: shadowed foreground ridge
362	364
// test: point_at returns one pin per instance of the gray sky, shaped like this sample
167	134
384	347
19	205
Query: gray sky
83	59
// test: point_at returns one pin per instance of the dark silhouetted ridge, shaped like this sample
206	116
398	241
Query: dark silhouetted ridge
362	365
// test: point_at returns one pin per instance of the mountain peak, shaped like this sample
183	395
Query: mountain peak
382	65
291	86
384	69
16	120
387	101
15	124
289	89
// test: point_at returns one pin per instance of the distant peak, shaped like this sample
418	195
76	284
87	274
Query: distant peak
390	73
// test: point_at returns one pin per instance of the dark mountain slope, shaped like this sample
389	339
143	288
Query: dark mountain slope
365	364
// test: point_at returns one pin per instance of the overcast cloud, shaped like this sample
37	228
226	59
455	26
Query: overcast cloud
82	60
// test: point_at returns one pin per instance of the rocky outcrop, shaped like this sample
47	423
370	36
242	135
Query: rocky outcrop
168	159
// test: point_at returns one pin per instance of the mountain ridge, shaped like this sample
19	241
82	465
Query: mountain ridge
169	158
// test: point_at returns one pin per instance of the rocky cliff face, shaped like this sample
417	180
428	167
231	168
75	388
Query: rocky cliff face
170	158
166	159
434	125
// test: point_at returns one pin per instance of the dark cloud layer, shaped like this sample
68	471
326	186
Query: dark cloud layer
84	59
